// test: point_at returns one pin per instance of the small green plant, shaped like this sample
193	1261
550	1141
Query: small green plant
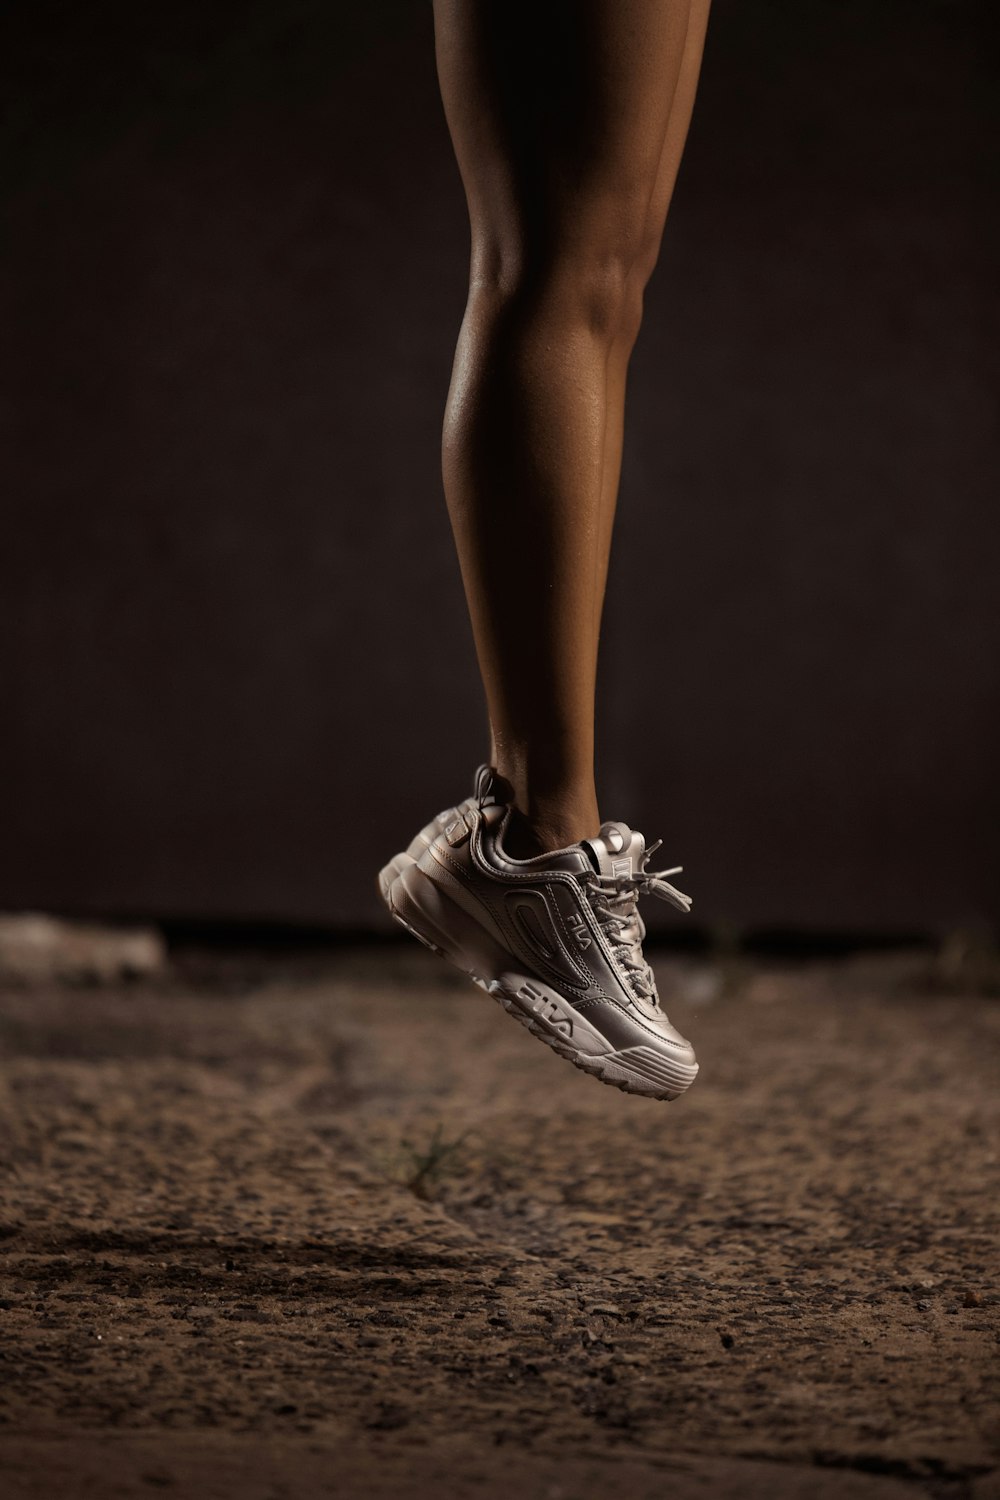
426	1166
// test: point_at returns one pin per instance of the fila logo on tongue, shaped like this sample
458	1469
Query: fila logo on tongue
614	840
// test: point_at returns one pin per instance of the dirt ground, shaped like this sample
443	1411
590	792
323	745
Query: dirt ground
336	1226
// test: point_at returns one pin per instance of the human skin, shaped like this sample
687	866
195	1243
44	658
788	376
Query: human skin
568	122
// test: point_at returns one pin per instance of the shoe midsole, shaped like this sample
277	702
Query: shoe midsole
429	911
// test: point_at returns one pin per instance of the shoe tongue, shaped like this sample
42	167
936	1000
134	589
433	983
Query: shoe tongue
617	850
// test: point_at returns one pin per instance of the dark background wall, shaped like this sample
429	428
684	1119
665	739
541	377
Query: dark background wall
236	671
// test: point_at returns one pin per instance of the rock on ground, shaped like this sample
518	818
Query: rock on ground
35	948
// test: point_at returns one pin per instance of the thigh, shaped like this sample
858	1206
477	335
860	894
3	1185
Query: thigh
559	113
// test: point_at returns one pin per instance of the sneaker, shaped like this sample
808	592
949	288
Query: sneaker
556	939
488	787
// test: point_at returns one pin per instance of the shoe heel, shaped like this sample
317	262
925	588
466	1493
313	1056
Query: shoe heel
423	908
388	874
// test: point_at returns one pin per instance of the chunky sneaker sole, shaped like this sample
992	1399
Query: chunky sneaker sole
555	940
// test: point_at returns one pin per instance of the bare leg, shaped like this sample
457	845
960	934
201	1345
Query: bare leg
561	118
618	361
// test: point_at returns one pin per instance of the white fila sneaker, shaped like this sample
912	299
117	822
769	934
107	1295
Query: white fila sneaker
488	787
556	939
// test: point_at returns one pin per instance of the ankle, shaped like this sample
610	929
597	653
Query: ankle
553	793
528	835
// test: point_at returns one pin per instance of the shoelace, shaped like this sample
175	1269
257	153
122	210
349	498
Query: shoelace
615	901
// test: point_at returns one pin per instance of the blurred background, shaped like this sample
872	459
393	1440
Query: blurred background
235	667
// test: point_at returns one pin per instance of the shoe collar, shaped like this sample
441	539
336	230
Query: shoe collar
494	822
